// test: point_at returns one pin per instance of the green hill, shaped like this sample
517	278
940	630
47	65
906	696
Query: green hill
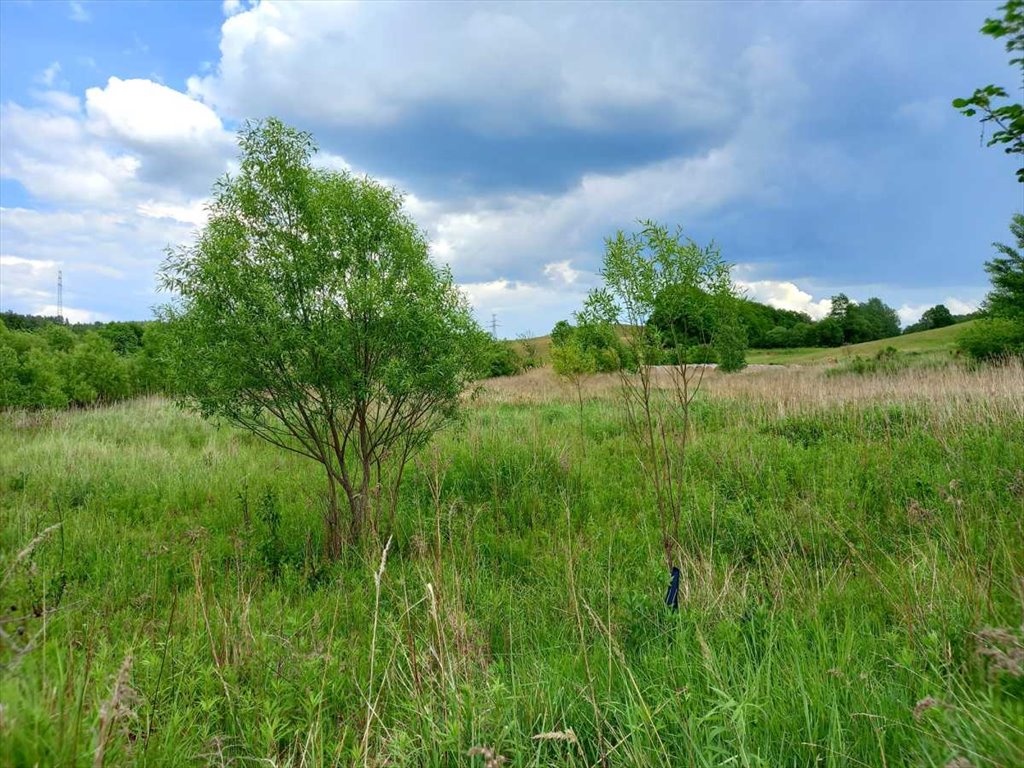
938	341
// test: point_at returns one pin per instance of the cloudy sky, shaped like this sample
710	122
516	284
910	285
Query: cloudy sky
813	141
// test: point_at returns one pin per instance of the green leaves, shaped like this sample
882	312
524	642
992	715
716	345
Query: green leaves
666	292
1006	271
1008	119
571	360
1000	332
309	312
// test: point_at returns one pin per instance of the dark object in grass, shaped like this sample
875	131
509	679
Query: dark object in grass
672	598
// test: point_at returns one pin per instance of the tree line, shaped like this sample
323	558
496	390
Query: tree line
695	327
45	363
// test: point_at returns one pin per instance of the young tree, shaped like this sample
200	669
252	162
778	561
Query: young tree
502	359
561	333
1001	331
637	269
573	362
309	313
1006	299
730	341
1007	117
528	350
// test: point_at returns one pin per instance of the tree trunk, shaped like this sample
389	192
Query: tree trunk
332	521
358	503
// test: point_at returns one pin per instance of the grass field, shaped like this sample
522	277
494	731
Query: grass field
852	587
934	344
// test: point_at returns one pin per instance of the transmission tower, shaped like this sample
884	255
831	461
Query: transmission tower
60	295
494	325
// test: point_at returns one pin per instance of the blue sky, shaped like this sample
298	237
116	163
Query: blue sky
813	141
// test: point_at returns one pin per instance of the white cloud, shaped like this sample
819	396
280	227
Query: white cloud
24	280
500	67
958	307
561	271
60	101
193	213
911	313
121	177
31	284
143	112
78	12
50	153
516	236
522	306
231	7
330	161
49	75
32	266
521	234
71	314
136	139
109	258
783	294
180	142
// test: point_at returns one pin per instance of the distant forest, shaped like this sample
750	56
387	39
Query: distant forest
848	322
46	362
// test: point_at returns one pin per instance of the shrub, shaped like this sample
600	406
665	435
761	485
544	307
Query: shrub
730	346
94	371
888	360
991	338
601	341
699	354
503	360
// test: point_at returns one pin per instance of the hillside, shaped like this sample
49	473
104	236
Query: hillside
934	342
541	345
938	341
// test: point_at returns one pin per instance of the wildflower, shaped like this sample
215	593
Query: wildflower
491	758
1003	650
923	706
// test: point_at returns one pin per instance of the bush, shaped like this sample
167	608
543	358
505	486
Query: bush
731	346
52	365
94	371
699	354
503	360
600	342
992	338
888	360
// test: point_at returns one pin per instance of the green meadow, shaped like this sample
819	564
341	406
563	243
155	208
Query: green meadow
851	589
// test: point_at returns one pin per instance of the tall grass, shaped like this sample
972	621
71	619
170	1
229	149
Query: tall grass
851	592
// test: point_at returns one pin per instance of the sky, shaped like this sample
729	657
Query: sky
813	142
